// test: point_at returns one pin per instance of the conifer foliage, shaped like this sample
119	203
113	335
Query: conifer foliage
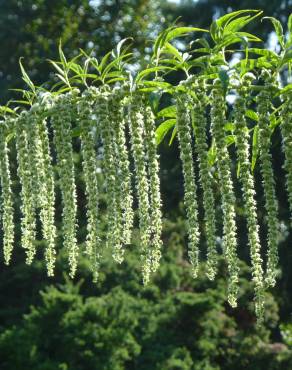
224	117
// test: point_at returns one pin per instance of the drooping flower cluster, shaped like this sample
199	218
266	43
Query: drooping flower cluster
28	195
89	155
62	118
286	130
218	120
114	225
42	178
190	197
264	101
201	147
136	125
124	197
6	196
118	123
154	188
248	189
47	204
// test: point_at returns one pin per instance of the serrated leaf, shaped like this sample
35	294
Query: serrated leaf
230	139
4	109
169	112
264	52
103	62
62	55
154	99
278	29
202	41
229	126
252	115
148	71
10	136
55	65
274	122
227	18
181	31
163	129
173	51
157	84
238	23
25	77
120	45
174	132
212	154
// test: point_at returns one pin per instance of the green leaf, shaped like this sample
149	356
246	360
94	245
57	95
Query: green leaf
26	78
264	52
158	84
148	71
62	55
229	126
154	99
170	34
230	139
170	49
237	24
174	132
168	112
4	109
10	136
274	122
182	31
120	45
103	62
212	154
163	129
55	65
252	115
214	30
227	18
218	26
278	29
202	41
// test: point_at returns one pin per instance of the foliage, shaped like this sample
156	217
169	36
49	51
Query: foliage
172	323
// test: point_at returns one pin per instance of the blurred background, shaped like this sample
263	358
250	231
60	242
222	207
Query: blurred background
176	322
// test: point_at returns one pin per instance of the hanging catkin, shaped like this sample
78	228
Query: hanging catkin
28	195
218	111
243	152
201	147
154	188
136	124
286	131
190	197
264	107
48	207
7	210
114	228
43	180
123	175
62	117
89	156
